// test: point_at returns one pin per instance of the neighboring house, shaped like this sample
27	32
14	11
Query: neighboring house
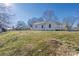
46	25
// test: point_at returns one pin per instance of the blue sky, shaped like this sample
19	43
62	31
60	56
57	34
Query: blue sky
25	11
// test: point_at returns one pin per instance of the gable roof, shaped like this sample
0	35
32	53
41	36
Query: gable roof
47	22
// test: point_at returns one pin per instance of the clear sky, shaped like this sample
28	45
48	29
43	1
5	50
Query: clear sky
25	11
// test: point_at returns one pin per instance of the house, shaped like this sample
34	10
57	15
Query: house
47	25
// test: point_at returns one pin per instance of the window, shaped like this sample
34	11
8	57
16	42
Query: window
36	26
30	25
42	26
49	25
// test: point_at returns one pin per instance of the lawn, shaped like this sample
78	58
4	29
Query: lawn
39	43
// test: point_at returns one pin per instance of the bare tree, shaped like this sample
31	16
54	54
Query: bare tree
49	15
20	25
5	16
40	19
69	22
31	21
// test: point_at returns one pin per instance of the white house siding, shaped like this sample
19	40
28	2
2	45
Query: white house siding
37	28
47	27
62	27
54	26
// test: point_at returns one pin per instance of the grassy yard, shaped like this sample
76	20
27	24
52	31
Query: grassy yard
39	43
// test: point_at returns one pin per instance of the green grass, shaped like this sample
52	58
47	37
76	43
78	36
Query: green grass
39	43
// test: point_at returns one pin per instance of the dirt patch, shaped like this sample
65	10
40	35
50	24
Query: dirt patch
59	48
